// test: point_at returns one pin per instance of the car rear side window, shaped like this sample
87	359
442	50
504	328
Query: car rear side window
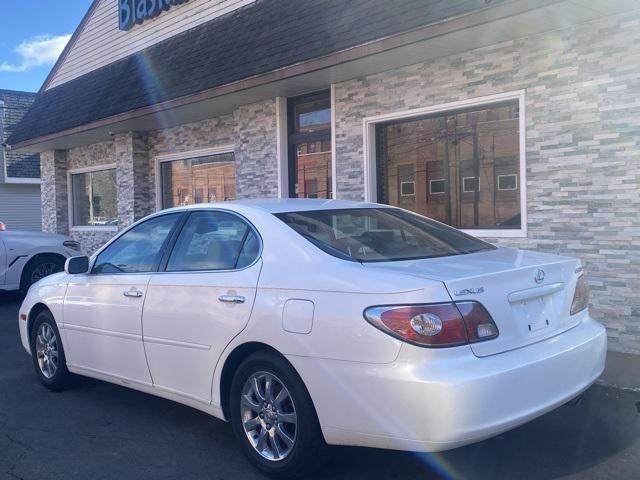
139	249
213	240
380	234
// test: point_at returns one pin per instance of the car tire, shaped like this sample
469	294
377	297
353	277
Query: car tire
40	267
289	450
47	352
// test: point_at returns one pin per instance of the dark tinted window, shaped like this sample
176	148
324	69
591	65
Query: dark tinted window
249	251
380	234
310	145
139	249
213	241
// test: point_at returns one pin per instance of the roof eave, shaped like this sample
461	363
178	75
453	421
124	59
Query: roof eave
478	18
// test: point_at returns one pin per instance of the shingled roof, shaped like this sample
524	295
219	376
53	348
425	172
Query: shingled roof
15	105
261	37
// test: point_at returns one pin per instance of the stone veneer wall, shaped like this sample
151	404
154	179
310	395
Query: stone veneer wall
215	132
257	163
250	131
89	156
582	142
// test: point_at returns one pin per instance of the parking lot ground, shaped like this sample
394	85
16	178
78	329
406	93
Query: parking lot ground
96	430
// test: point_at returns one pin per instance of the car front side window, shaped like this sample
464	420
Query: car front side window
213	240
138	250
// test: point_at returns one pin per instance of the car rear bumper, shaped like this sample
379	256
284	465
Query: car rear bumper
432	400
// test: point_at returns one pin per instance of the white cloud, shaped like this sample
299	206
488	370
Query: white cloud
36	52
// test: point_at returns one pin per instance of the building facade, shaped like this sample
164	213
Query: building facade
20	207
517	121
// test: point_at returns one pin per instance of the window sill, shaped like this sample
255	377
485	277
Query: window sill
21	181
96	228
498	233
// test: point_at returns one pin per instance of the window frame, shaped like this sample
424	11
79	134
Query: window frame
294	138
413	187
77	171
464	190
162	266
185	155
370	160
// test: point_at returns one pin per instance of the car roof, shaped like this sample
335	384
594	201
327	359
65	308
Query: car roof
280	205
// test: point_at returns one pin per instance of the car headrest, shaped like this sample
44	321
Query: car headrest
205	225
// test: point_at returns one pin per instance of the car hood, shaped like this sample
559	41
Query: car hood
40	237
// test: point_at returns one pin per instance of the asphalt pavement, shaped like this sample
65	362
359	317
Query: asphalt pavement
96	430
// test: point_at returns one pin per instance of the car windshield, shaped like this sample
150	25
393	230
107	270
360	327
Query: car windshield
380	234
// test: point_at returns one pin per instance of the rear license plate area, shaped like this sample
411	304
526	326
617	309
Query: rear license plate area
533	314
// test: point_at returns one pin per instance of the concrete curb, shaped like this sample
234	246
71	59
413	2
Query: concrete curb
621	371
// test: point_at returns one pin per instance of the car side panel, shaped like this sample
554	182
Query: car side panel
339	330
19	260
186	326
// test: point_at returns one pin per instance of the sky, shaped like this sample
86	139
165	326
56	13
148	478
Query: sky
32	35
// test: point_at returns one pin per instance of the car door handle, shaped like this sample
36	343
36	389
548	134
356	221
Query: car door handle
132	292
231	298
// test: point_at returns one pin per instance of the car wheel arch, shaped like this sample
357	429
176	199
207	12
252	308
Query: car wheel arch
36	309
233	361
34	258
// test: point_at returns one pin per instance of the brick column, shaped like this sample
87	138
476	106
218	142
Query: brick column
53	191
133	177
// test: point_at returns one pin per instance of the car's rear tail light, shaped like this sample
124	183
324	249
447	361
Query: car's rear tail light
480	325
434	325
580	297
2	226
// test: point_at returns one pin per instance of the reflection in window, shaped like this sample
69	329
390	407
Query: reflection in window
470	184
94	198
507	182
198	180
310	146
380	234
139	249
437	187
464	166
407	188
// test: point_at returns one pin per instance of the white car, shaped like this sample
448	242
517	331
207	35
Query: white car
312	322
26	257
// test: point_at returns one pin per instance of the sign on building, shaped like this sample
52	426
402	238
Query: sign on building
132	12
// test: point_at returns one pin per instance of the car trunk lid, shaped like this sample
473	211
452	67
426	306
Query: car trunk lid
528	294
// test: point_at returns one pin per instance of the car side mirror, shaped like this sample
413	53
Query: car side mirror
75	265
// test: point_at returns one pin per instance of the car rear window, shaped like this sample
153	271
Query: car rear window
380	234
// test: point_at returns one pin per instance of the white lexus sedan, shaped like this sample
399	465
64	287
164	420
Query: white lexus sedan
308	323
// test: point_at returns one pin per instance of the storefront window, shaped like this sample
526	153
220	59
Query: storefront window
94	198
211	178
310	146
461	168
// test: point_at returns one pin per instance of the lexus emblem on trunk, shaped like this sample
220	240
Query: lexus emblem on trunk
539	275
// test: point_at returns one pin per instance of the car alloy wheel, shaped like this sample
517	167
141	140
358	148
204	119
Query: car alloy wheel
47	350
268	416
